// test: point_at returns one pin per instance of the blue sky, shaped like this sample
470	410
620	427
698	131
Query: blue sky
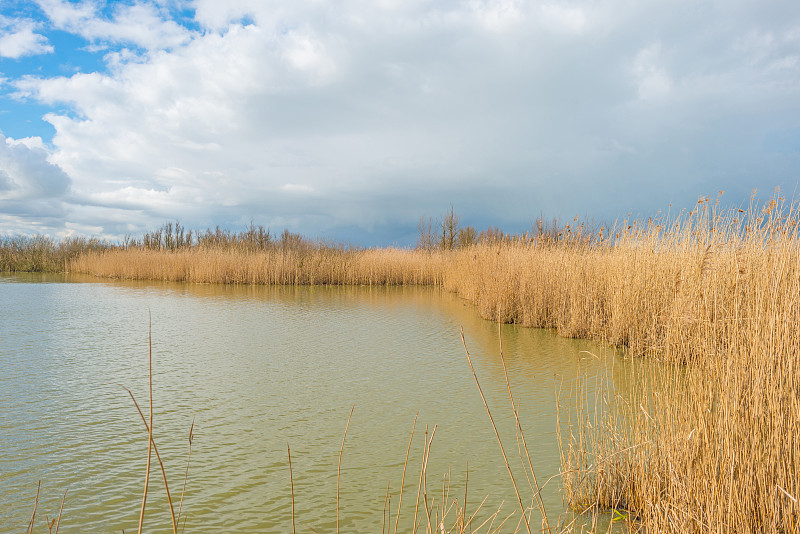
351	120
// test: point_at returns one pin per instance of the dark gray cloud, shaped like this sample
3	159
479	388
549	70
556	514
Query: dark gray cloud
26	173
32	190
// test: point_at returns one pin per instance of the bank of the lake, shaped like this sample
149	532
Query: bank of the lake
712	442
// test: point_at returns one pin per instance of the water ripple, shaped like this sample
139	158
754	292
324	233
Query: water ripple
256	368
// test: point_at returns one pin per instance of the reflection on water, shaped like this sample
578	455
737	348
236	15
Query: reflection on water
257	368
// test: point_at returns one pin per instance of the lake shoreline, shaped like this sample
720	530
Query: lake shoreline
717	293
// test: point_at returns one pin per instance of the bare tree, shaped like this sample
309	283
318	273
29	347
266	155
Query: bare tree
449	227
425	237
467	236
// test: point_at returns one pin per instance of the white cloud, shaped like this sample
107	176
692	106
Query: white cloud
218	16
130	198
307	54
18	39
386	111
141	24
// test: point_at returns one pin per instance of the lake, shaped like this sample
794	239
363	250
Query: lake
257	368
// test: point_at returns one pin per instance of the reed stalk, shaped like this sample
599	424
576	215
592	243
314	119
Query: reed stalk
291	483
149	426
161	464
403	479
35	505
186	474
537	494
339	466
60	510
497	435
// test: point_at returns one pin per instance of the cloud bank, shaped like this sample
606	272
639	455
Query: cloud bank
351	121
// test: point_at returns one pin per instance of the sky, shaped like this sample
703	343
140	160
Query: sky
350	120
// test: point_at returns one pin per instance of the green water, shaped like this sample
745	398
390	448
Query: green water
256	368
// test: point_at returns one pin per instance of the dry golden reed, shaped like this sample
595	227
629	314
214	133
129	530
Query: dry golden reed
713	444
322	265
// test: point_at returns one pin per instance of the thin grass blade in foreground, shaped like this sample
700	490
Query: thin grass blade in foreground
151	447
150	426
520	433
291	482
186	475
339	466
60	510
35	505
403	480
161	464
494	427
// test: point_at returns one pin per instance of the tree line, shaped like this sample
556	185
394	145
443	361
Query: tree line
446	233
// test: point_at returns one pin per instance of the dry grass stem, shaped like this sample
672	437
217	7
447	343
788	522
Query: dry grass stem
160	463
60	510
149	426
403	479
496	433
186	474
537	494
387	504
291	483
35	505
339	466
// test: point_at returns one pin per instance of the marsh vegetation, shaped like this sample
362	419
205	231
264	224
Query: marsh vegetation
710	443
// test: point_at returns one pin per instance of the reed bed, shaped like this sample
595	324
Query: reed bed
712	444
313	266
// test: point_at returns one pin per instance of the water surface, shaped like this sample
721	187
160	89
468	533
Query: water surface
257	368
